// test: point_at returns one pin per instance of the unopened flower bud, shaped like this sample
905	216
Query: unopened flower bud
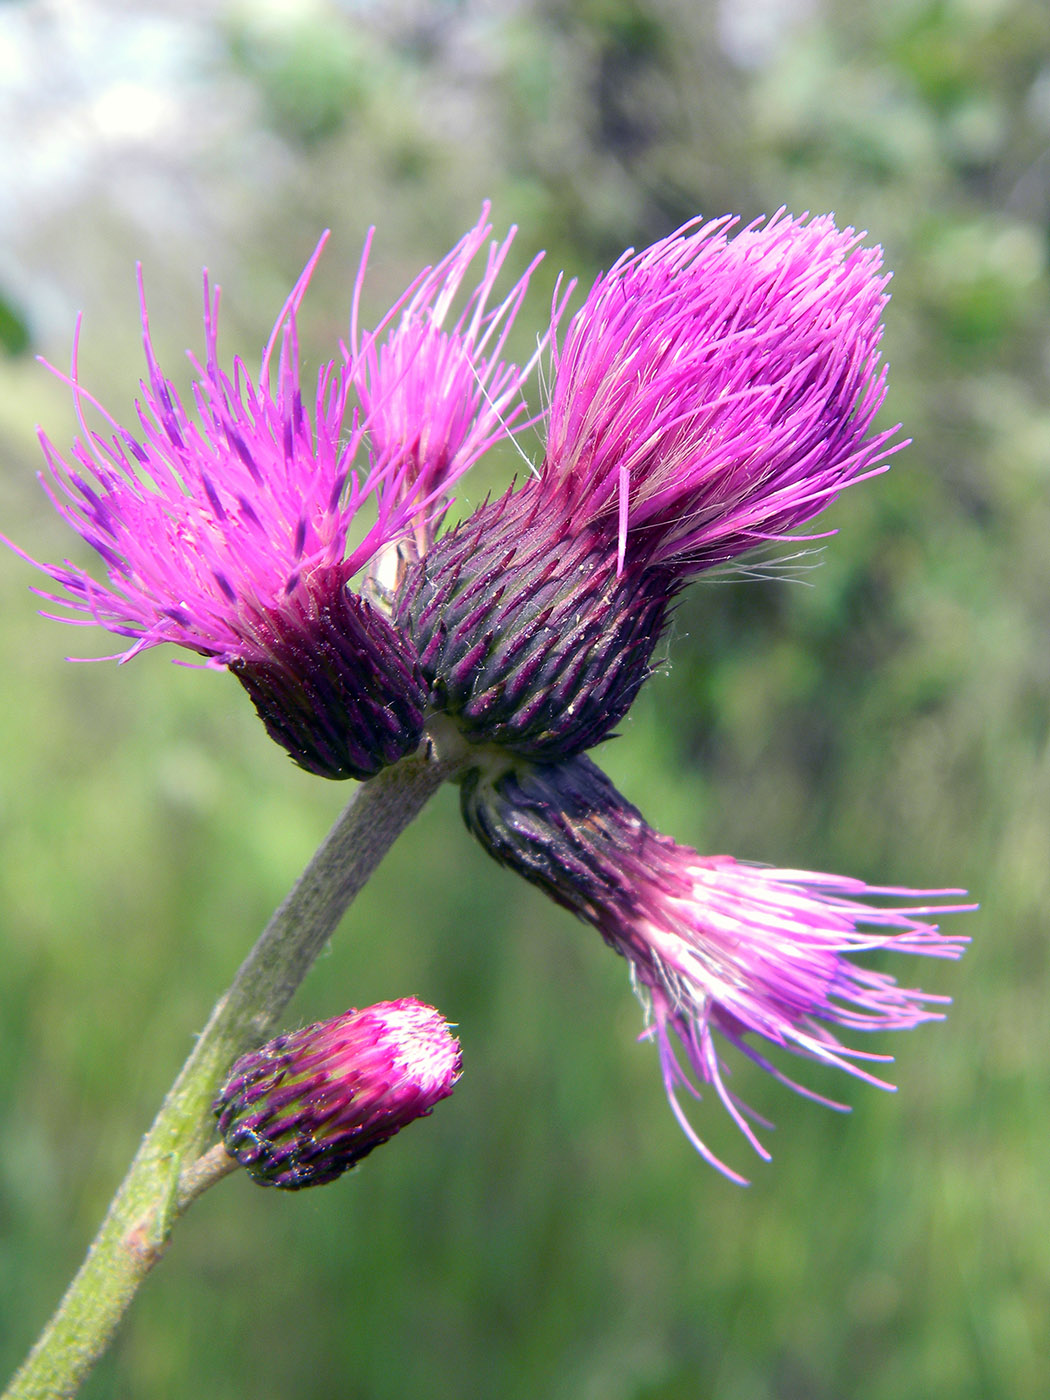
307	1106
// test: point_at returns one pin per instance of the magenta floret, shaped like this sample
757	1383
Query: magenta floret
436	391
745	950
715	392
208	521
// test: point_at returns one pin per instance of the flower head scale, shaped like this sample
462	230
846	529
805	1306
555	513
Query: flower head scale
307	1106
715	946
715	392
526	635
436	396
226	530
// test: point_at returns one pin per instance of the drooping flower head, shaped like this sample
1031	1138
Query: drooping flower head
437	395
717	948
307	1106
712	394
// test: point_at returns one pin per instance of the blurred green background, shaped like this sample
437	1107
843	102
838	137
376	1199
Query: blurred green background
549	1232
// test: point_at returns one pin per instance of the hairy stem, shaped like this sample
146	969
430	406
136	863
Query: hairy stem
169	1170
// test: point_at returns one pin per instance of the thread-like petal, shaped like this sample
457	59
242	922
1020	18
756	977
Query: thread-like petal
436	392
715	392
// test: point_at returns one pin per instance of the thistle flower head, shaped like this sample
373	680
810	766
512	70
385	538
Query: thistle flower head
209	519
225	528
436	392
307	1106
716	947
711	394
715	392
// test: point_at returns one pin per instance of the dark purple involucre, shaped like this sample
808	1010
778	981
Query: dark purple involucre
525	633
334	683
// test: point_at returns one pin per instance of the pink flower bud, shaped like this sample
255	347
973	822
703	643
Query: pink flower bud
307	1106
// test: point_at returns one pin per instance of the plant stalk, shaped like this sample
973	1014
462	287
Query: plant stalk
169	1170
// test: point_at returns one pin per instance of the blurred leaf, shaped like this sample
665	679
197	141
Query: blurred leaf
14	329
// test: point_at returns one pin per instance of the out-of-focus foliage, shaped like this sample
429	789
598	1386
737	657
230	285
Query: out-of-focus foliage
886	714
14	333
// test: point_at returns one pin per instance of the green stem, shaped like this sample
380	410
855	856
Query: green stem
169	1171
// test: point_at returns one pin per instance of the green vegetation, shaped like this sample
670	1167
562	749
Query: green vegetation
549	1233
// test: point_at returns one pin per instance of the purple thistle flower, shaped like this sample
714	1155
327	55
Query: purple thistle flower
226	530
437	396
712	394
715	945
307	1106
